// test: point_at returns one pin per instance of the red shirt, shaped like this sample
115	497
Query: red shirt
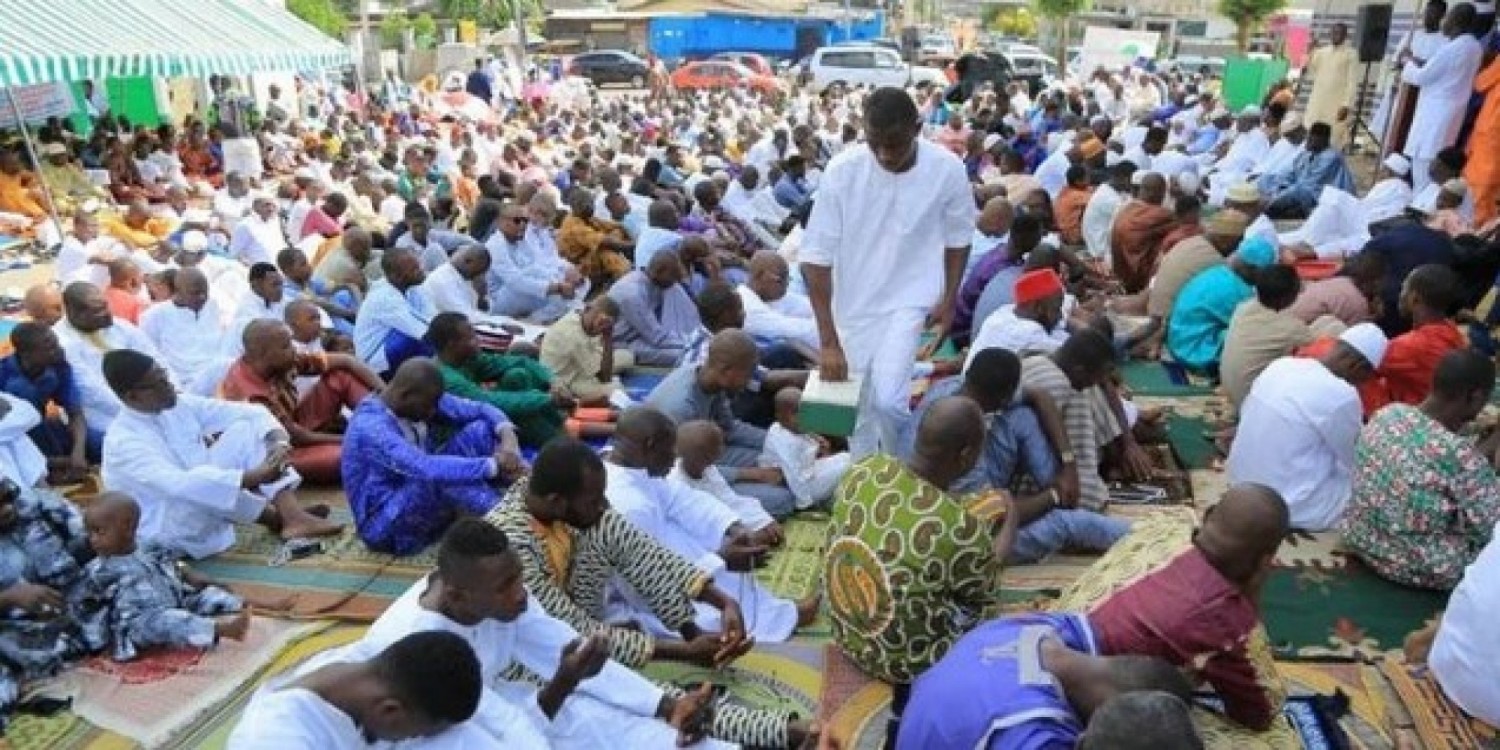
1188	614
1412	358
241	383
124	305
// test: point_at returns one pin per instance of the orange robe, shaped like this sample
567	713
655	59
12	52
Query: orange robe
19	195
146	237
1412	358
581	243
1068	212
1135	242
1483	169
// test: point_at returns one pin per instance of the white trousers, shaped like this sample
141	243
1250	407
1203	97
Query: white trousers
883	351
508	717
769	618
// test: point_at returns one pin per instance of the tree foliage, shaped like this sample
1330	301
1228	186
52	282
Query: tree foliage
393	30
1016	22
1248	16
324	15
490	13
1059	11
424	31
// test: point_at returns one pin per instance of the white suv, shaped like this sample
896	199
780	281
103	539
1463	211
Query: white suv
852	66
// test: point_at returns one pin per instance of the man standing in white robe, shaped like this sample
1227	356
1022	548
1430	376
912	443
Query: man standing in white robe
345	698
192	493
588	701
86	335
1421	42
1446	81
187	329
884	252
694	525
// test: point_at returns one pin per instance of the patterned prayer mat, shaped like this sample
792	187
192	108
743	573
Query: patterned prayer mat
1437	722
1321	603
346	582
153	701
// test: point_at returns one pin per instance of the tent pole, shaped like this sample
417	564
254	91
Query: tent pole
36	162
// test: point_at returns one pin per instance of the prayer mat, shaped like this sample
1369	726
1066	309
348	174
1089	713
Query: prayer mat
347	581
640	381
1034	587
1319	603
1438	723
1191	421
1147	378
777	676
160	699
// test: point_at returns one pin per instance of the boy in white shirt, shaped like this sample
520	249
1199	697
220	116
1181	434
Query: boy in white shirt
812	471
700	444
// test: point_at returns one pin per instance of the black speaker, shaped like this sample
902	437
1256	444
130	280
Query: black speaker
1372	29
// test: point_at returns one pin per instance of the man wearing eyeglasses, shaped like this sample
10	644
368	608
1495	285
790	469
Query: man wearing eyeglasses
527	280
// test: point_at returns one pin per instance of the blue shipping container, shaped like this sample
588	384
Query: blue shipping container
696	37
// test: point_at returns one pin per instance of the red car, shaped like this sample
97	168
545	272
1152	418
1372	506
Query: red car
717	74
750	60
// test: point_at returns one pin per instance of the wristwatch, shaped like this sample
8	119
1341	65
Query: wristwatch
1067	457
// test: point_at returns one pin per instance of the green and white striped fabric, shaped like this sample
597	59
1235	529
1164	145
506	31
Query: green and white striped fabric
43	41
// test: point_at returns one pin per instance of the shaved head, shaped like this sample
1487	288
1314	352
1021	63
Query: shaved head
44	304
643	424
264	334
950	426
733	348
767	260
1242	533
114	505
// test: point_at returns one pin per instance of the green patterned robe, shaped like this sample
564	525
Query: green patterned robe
909	568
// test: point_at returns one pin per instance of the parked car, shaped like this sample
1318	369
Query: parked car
722	74
756	63
890	44
1034	68
852	65
610	66
935	44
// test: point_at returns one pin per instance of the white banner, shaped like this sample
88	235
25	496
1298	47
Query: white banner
1113	49
37	103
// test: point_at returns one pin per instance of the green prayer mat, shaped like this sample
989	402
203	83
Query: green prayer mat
1187	434
1148	378
1328	605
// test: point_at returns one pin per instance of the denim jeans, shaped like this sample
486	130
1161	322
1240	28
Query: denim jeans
1014	443
1066	528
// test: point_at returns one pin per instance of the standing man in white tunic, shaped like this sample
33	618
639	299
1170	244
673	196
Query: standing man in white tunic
884	253
1446	81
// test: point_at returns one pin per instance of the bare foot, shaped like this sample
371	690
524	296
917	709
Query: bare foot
303	526
234	627
807	609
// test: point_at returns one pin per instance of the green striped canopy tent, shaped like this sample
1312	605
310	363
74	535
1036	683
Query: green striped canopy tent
43	41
